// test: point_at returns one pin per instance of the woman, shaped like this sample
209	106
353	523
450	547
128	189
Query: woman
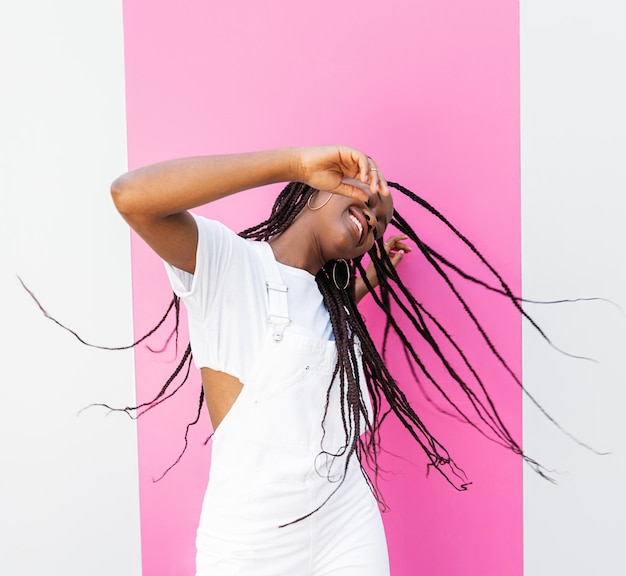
294	385
266	467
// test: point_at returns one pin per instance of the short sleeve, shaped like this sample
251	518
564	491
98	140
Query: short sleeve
213	253
225	298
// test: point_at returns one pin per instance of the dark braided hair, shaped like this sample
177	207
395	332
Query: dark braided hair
385	393
355	348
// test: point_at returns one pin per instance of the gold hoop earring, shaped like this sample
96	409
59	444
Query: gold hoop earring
308	202
345	263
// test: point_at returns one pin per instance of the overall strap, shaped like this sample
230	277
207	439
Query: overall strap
278	310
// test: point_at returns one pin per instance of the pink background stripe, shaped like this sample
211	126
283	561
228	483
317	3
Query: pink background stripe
431	91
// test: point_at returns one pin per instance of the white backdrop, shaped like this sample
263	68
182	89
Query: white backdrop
68	488
573	76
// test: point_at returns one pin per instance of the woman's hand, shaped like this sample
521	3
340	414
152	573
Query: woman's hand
396	249
332	167
154	199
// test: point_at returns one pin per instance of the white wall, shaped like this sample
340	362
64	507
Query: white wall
68	483
573	73
68	487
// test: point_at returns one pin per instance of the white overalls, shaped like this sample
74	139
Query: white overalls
267	471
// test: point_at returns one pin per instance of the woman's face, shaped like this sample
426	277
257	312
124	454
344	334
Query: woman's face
347	227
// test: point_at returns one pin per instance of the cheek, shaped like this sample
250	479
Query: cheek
343	249
336	245
368	245
362	250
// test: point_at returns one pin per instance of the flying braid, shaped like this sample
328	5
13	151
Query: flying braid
356	350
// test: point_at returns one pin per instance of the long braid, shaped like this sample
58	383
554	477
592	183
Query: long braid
362	429
504	291
287	206
385	394
173	305
184	365
348	327
416	313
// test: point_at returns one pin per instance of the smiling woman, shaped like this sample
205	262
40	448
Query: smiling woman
294	384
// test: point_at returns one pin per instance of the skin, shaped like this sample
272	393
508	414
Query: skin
154	201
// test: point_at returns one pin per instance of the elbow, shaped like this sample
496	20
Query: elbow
122	195
130	197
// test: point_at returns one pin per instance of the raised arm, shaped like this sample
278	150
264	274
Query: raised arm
154	200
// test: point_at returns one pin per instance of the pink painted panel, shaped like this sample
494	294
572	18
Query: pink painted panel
431	91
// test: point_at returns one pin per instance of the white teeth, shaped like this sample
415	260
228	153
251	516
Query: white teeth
358	224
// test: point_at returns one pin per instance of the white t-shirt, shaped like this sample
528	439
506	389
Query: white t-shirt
226	300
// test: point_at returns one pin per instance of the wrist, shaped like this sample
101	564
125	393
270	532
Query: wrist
294	165
280	164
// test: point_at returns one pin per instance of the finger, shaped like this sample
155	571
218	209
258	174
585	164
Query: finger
362	186
373	176
373	179
383	187
402	246
351	191
396	258
394	243
394	247
396	238
377	181
364	166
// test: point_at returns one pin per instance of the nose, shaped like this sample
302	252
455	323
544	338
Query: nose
372	220
370	212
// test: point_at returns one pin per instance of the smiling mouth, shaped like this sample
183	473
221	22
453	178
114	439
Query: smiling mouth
359	225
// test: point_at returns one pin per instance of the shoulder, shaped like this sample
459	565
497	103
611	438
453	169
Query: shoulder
217	241
210	228
221	247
